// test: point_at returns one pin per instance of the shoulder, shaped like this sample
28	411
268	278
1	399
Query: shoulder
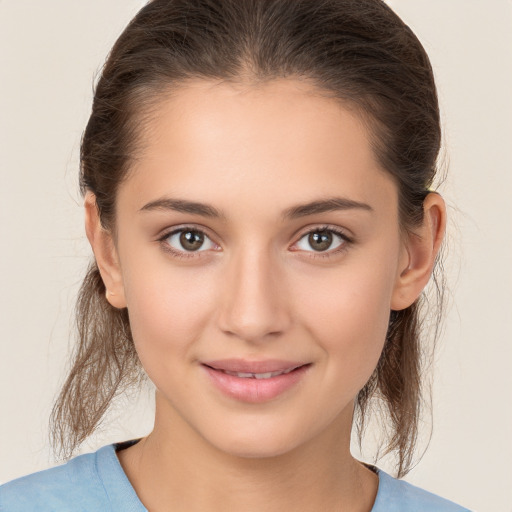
88	482
57	489
400	496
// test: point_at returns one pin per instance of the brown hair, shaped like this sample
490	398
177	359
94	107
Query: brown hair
357	51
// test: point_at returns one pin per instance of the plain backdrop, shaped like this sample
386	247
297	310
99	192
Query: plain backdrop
50	52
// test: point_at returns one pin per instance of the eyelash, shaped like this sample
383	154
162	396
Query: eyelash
181	254
346	242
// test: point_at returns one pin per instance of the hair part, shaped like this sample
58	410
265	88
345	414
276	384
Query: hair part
357	51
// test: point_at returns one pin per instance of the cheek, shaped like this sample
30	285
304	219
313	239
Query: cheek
168	309
347	312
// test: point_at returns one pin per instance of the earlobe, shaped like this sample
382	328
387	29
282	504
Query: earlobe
105	253
422	248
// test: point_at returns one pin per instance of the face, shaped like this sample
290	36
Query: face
259	253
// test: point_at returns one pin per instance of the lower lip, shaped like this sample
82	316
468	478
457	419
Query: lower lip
255	390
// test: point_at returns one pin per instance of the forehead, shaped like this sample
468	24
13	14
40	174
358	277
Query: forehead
272	115
281	139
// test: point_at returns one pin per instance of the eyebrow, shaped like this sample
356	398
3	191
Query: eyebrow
183	206
325	205
294	212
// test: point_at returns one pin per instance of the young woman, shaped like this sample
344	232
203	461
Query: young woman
257	181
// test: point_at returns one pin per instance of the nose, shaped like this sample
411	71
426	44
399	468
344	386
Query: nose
254	306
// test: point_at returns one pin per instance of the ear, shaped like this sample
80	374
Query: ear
105	253
420	252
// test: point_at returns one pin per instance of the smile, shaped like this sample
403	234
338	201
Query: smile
268	375
255	382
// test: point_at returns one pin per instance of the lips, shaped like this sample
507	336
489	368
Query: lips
249	375
254	381
254	367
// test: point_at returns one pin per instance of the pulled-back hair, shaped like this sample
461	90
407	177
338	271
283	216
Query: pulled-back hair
357	51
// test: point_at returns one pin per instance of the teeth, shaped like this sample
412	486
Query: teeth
266	375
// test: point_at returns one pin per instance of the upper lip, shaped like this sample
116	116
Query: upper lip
245	366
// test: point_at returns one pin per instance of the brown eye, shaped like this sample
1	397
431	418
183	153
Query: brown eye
191	240
321	240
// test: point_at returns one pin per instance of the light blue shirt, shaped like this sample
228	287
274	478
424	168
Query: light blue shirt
96	482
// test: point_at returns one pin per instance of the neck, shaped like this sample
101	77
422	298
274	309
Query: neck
175	469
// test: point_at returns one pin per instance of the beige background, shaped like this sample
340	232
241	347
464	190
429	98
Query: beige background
49	53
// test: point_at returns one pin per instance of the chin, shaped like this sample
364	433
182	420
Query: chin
258	442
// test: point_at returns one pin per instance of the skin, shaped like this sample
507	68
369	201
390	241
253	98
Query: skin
256	290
